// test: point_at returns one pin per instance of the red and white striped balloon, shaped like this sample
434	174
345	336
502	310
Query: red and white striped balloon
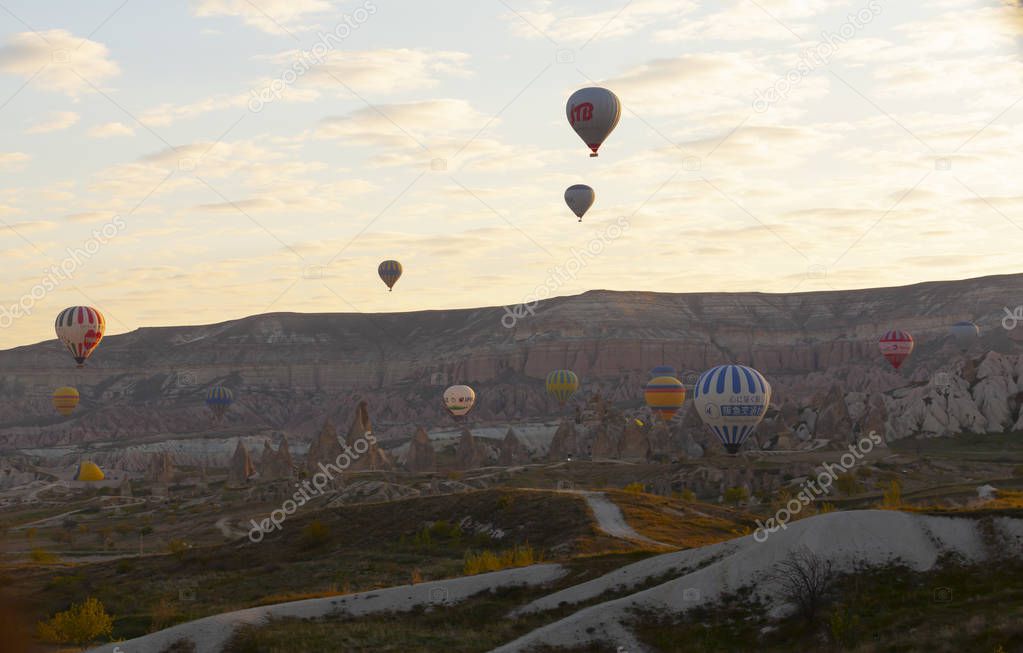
80	328
896	346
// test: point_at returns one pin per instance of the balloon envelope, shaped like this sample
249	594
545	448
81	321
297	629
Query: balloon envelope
580	198
459	399
390	272
562	385
219	398
65	400
732	400
896	346
80	328
664	395
593	112
664	370
88	471
965	334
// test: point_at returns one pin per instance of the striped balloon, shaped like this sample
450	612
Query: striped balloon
562	385
390	272
663	370
219	398
732	400
665	395
65	400
80	328
896	346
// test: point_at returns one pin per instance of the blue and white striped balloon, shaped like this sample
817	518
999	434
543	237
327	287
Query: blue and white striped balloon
732	400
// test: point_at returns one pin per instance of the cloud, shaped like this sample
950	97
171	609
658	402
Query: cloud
690	84
751	21
57	60
377	71
543	20
55	122
397	125
167	113
270	16
13	160
111	129
89	217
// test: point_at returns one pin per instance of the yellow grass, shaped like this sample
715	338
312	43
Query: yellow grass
519	556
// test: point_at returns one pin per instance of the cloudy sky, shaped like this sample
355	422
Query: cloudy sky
176	162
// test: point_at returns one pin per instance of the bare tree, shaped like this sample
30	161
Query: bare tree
804	579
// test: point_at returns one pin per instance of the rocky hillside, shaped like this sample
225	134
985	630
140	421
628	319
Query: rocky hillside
289	372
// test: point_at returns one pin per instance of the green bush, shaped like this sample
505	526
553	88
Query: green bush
81	624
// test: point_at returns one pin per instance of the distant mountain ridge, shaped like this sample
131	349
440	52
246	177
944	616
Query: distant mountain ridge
290	371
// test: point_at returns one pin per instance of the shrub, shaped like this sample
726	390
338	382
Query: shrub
686	495
163	615
892	496
847	484
178	548
505	500
635	488
736	495
81	624
314	534
43	557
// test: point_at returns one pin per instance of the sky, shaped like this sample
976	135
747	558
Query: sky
174	162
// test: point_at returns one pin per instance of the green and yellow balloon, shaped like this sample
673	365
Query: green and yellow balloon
562	385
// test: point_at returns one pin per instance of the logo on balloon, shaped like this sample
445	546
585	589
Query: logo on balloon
582	112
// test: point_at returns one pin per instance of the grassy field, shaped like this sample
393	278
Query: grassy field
953	608
324	552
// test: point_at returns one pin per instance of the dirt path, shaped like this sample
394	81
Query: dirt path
611	520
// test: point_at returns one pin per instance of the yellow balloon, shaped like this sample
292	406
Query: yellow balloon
89	471
65	400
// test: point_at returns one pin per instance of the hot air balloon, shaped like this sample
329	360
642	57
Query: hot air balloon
88	471
219	398
732	400
965	333
896	346
580	198
562	384
65	400
80	328
459	400
390	272
593	113
665	395
663	370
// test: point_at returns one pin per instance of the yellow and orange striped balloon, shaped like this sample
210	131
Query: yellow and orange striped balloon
65	400
665	395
